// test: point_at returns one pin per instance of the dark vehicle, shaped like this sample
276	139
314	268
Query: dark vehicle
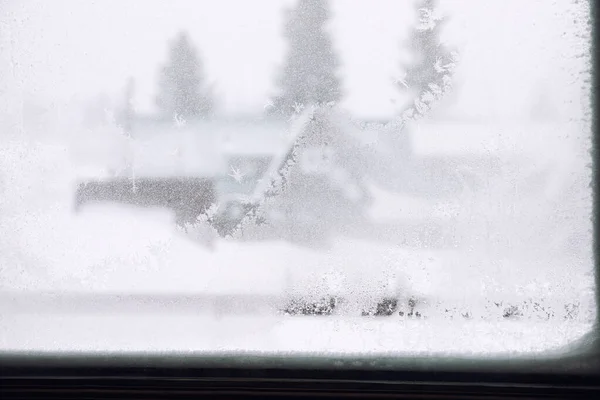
186	197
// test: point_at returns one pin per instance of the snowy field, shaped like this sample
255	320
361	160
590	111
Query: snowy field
166	333
469	204
119	278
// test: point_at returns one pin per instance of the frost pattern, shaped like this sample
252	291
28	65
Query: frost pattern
431	77
484	221
430	74
276	178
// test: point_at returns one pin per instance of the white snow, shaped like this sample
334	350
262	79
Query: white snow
266	335
116	250
499	139
524	235
164	149
389	206
112	250
120	250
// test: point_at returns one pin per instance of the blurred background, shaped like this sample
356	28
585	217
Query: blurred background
386	148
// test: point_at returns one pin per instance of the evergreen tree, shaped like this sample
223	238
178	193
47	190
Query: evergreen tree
183	91
309	75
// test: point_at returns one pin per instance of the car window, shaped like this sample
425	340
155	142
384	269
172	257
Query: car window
305	176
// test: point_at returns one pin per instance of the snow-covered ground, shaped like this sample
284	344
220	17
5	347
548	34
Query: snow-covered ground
112	249
189	333
118	251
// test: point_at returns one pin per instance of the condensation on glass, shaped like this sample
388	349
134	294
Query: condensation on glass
301	176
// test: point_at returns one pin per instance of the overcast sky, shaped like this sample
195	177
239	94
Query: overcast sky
76	49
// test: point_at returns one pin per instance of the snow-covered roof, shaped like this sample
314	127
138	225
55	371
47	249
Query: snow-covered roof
244	136
163	148
258	138
181	153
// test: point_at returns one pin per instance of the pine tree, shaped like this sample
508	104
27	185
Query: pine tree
428	75
309	75
183	91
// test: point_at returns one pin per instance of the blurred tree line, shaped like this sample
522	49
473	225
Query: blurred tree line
309	77
309	74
